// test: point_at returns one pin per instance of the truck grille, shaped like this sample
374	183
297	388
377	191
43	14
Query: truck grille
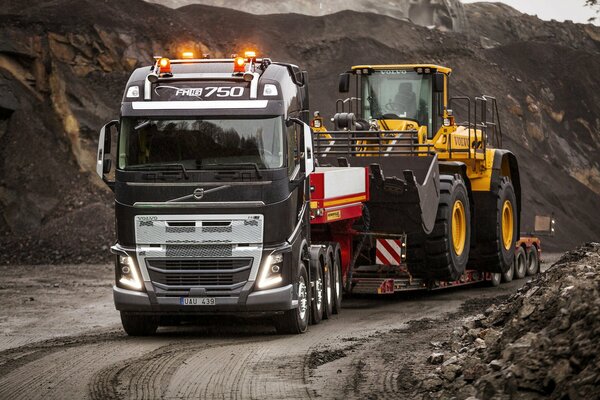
175	277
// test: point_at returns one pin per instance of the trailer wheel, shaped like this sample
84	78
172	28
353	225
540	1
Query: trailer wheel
520	263
443	254
509	274
336	279
496	230
139	325
317	296
496	279
295	321
533	261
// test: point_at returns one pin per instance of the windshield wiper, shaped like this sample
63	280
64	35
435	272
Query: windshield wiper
235	165
158	167
141	125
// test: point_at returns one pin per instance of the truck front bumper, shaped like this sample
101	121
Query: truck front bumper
263	301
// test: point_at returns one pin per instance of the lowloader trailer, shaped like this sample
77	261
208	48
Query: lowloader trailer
212	167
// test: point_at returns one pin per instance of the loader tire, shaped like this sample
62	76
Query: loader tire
443	254
497	231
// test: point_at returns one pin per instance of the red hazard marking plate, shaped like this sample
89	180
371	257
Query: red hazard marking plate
388	252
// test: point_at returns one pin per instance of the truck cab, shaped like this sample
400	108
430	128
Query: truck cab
209	163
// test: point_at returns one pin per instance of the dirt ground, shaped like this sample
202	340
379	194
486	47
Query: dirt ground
61	338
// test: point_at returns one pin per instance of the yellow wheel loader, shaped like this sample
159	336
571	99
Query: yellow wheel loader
441	184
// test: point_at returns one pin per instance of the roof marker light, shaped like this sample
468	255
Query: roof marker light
239	64
187	54
250	54
164	64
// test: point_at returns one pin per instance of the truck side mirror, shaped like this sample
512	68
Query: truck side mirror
344	84
438	82
307	153
309	160
104	160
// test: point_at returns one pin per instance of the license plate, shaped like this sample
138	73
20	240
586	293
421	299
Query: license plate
197	301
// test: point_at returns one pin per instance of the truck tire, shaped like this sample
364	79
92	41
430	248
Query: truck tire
328	283
495	279
317	302
496	231
336	278
509	274
139	325
520	263
295	321
533	261
443	254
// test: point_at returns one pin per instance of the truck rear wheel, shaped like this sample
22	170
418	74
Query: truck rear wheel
328	283
336	278
317	291
443	254
295	321
496	231
139	325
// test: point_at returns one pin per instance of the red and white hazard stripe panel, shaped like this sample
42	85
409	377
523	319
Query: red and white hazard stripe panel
388	252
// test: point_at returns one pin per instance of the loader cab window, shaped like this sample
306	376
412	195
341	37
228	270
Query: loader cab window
200	144
398	94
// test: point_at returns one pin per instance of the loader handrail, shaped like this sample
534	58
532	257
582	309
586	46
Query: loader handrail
370	143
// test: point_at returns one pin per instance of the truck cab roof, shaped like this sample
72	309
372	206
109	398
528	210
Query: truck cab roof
215	87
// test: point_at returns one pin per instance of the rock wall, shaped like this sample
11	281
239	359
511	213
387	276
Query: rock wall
63	66
443	14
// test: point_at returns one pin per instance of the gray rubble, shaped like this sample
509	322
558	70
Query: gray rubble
543	342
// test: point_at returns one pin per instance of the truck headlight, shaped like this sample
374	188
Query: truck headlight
270	273
127	273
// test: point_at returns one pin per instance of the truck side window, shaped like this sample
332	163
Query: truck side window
293	141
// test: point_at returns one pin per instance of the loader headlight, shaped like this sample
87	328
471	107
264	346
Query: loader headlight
128	276
270	273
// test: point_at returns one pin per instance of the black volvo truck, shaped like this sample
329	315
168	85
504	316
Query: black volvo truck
209	162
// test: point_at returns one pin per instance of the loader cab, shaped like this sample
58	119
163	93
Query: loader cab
399	97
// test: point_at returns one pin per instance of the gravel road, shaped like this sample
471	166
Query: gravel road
61	339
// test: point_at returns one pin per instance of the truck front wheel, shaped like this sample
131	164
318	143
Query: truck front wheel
139	325
295	321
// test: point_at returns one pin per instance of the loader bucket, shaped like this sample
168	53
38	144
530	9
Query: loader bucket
404	191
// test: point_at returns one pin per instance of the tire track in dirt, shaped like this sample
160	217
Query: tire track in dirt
143	377
151	375
65	373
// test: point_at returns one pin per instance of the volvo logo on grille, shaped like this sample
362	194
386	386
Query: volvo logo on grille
198	193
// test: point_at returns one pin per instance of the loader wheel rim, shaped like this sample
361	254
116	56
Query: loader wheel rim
507	224
459	227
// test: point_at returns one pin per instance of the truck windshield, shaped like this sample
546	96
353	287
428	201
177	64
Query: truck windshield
200	143
397	94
